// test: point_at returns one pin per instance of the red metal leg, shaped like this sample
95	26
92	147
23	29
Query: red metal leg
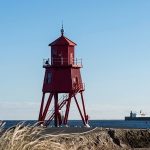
47	106
64	121
79	110
85	116
41	108
67	110
56	109
59	118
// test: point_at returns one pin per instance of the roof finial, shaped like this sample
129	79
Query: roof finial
62	30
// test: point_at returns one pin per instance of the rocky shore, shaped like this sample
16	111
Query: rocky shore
36	138
106	139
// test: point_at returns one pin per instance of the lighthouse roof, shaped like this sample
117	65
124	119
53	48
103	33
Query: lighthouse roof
62	41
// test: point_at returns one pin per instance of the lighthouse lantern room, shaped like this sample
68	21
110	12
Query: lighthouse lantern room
62	76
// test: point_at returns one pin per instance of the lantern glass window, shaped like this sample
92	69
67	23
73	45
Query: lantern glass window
49	77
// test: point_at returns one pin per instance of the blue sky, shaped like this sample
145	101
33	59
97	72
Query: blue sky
112	38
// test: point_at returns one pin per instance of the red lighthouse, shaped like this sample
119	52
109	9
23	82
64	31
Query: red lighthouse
62	78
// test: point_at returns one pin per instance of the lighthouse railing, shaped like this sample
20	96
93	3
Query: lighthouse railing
62	61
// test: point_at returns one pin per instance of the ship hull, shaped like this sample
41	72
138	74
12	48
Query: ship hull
138	118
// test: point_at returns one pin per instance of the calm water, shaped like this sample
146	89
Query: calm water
94	123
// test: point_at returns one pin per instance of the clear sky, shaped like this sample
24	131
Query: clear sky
113	38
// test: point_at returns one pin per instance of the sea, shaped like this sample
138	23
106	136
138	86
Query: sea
132	124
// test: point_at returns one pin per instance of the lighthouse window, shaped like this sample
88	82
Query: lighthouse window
49	77
54	52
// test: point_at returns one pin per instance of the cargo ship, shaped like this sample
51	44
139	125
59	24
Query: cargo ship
141	117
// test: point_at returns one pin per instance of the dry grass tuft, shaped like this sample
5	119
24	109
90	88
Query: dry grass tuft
26	138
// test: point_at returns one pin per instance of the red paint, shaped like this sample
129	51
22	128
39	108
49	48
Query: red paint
62	75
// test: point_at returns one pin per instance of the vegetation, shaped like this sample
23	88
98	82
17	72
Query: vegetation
26	137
